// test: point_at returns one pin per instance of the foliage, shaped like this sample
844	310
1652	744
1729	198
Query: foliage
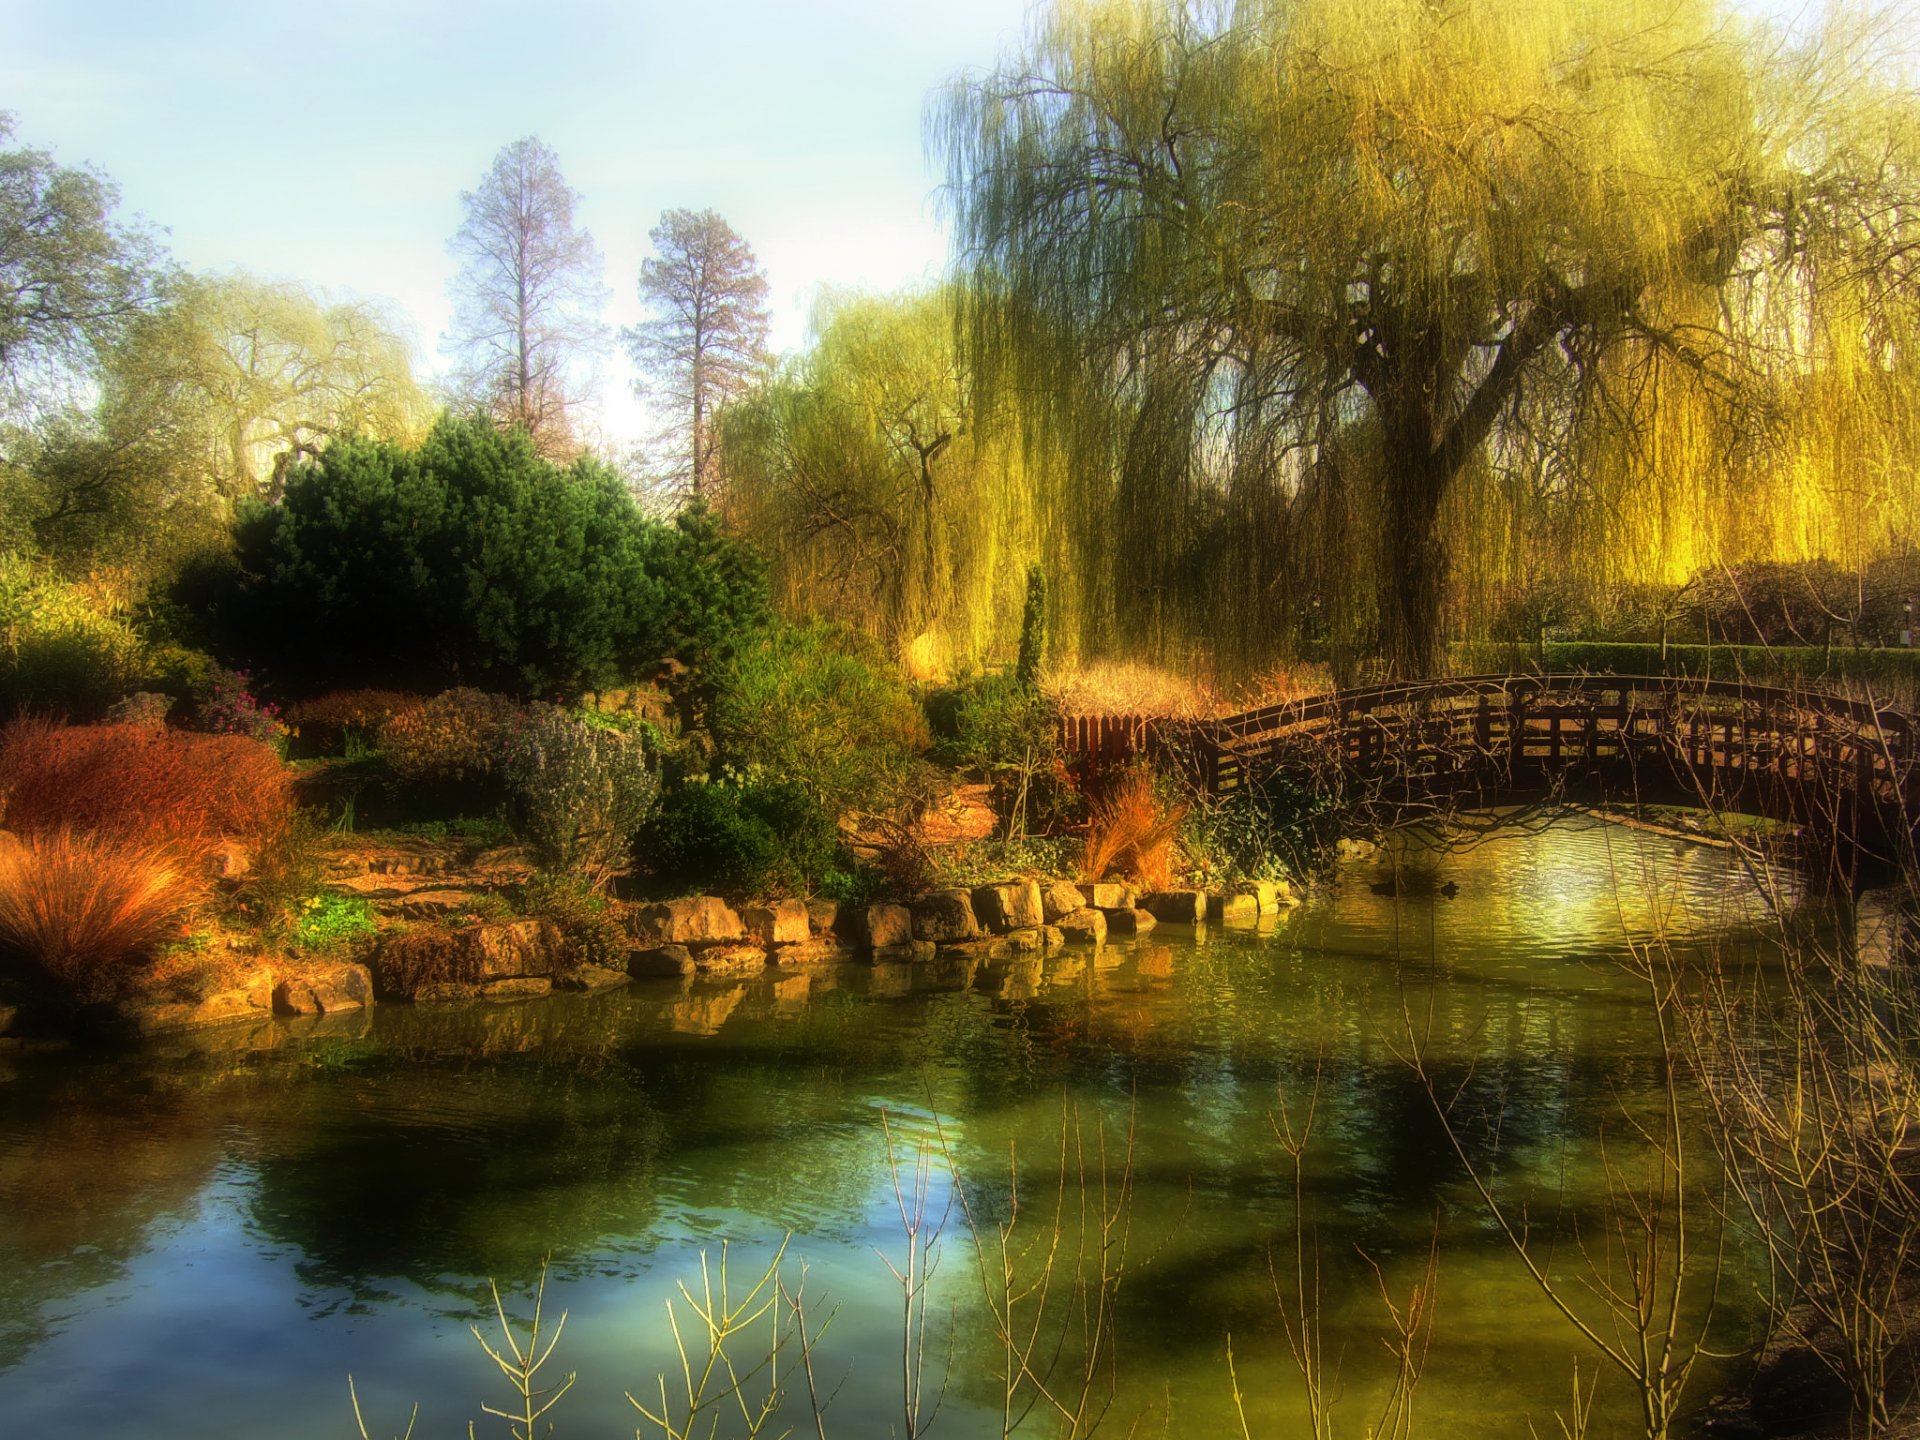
1269	829
527	297
707	339
164	786
1887	670
408	960
590	926
862	471
818	706
743	839
470	560
231	708
70	276
1033	631
715	588
64	647
1307	303
342	719
580	793
1009	734
79	910
331	922
288	869
1131	829
456	736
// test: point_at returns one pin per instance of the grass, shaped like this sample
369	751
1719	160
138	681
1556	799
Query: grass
81	910
1131	831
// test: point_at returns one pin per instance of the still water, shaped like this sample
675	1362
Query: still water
208	1236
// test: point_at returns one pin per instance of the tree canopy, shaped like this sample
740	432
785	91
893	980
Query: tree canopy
1310	284
707	339
71	275
527	297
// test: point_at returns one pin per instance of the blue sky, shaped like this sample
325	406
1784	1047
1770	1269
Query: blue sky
329	143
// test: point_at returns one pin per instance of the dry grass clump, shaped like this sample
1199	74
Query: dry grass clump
409	960
1129	687
83	909
1131	831
158	787
1282	684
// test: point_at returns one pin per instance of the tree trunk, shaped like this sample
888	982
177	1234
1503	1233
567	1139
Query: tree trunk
1414	584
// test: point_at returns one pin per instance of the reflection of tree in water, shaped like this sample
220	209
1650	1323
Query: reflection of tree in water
83	1186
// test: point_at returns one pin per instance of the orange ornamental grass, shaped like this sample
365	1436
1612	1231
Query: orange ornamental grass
1130	831
141	783
80	909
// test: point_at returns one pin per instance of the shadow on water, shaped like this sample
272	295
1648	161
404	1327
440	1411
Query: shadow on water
333	1198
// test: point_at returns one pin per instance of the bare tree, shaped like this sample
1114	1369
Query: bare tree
708	337
527	296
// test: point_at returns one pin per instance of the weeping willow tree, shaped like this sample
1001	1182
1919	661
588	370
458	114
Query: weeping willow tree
1322	290
859	469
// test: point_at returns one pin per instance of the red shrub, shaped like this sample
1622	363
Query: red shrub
165	786
81	909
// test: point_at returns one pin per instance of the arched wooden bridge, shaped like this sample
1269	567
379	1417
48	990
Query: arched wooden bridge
1842	770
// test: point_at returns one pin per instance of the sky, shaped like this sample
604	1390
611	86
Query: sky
329	143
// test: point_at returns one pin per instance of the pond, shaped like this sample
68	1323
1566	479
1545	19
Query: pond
207	1236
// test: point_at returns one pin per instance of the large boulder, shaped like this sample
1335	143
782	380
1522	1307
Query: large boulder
1015	906
1059	898
321	987
217	995
1129	922
660	962
823	916
1109	895
1236	909
694	920
1085	924
944	917
1176	907
784	922
884	927
515	949
1272	896
592	979
737	959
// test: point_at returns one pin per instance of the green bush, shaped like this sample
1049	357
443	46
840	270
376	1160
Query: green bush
1008	733
580	792
62	648
819	706
1269	829
469	561
589	925
329	922
745	839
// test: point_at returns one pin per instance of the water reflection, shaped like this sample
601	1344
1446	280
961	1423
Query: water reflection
331	1197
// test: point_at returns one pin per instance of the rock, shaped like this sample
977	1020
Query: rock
9	1015
232	860
1054	936
323	986
1129	922
1029	941
1060	898
822	951
434	904
442	991
1347	848
519	987
885	926
944	917
823	916
1176	907
592	978
515	948
1242	909
228	997
1085	924
907	952
694	920
782	923
1016	906
955	951
737	959
1272	896
1108	896
660	962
